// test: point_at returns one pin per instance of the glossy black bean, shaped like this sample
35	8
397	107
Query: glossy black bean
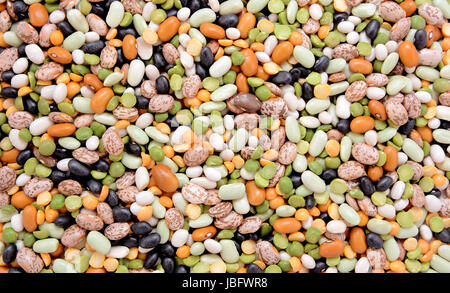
121	214
310	202
167	250
101	165
238	246
328	175
343	126
181	270
159	61
201	71
98	10
93	186
228	20
321	64
150	241
445	124
162	85
282	78
435	192
295	72
23	156
325	217
94	47
151	259
9	253
62	153
9	92
142	102
252	236
444	236
296	180
20	9
112	199
7	76
238	237
194	5
116	242
16	271
254	269
206	57
372	28
121	33
121	60
340	16
57	176
374	240
141	228
108	3
384	183
168	67
64	220
66	28
307	91
21	50
133	148
320	267
366	185
172	122
420	39
172	12
130	241
204	3
407	127
30	106
53	107
268	238
78	168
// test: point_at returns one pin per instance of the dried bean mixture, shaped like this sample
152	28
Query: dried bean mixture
220	136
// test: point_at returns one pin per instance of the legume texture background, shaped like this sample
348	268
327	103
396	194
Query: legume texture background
275	136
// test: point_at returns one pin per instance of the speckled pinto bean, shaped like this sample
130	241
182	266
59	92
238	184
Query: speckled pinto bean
260	136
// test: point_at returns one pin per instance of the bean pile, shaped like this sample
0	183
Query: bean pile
231	136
